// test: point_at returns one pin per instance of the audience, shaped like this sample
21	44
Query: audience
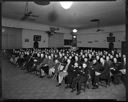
75	68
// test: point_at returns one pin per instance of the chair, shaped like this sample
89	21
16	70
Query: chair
105	81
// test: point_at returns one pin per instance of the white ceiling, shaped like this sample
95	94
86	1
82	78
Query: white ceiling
78	16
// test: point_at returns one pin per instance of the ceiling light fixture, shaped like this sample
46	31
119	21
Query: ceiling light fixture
74	30
66	5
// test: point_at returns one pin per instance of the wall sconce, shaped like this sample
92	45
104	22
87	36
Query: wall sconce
3	30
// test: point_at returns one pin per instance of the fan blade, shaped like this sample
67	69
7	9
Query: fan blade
41	2
24	17
30	19
99	30
34	16
29	13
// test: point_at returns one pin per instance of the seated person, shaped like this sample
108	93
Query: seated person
12	59
44	70
26	60
123	70
92	66
101	72
56	68
115	71
51	65
82	77
63	73
20	61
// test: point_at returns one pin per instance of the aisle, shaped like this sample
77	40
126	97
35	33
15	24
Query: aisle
17	84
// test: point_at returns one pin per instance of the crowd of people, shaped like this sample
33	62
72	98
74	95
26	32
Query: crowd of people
78	69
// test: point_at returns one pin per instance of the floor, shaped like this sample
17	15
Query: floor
17	84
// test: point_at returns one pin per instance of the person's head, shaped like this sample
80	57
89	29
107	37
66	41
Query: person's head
94	61
42	55
111	56
85	59
76	64
124	56
86	55
76	58
81	53
84	65
56	61
124	60
63	54
97	57
117	55
70	57
68	61
27	53
90	55
38	55
46	56
104	56
60	55
102	60
65	57
55	56
52	55
112	52
107	58
115	60
83	56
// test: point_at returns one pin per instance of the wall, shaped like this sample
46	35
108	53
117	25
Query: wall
27	25
11	38
67	36
84	36
91	38
56	40
28	34
30	29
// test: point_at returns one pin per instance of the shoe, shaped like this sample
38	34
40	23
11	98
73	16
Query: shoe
73	90
58	85
78	93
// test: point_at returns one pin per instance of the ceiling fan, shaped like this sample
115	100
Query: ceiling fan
41	2
28	14
52	31
98	25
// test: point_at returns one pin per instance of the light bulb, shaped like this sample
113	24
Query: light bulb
66	5
74	30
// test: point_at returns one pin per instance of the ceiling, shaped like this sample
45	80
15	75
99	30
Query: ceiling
78	16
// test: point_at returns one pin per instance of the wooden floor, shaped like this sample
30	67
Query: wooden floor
17	84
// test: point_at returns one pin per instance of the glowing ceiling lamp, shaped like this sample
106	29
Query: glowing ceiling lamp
66	5
74	30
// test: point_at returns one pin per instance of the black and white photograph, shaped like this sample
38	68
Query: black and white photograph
64	49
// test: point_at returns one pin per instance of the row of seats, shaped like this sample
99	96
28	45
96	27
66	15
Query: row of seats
79	69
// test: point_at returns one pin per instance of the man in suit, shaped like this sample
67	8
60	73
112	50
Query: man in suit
83	77
92	66
76	76
101	72
36	45
44	69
